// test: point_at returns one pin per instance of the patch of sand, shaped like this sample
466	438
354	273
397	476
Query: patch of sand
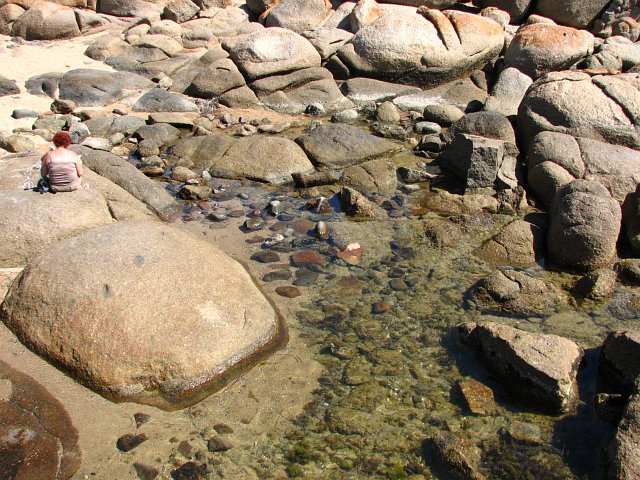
21	61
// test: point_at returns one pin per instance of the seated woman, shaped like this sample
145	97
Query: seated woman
62	168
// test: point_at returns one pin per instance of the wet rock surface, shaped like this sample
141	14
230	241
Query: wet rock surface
38	439
537	368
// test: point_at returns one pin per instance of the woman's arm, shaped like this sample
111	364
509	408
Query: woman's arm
78	164
44	168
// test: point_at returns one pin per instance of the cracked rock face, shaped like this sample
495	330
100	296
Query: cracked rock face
124	330
37	439
426	48
538	369
555	103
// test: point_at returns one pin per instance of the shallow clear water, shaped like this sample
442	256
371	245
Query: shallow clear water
391	378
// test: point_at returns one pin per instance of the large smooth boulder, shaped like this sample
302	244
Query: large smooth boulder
575	13
215	79
542	48
264	159
425	49
32	222
556	103
95	88
159	100
184	319
130	8
129	178
298	15
508	91
338	146
539	369
584	227
271	51
619	362
555	159
292	93
623	453
46	21
38	438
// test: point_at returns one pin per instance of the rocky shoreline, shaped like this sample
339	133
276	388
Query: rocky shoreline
369	163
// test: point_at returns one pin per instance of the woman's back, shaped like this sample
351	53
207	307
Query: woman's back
61	165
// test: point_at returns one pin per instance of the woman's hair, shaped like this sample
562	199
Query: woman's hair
62	139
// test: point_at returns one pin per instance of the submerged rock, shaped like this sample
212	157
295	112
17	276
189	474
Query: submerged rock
453	456
538	369
168	350
38	439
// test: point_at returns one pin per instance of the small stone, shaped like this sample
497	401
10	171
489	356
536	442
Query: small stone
186	449
275	276
19	113
219	444
288	292
273	240
63	106
275	207
255	223
427	127
183	174
223	428
525	433
265	257
141	419
218	217
129	441
381	307
195	192
145	472
305	278
308	257
322	230
315	108
190	471
478	396
398	284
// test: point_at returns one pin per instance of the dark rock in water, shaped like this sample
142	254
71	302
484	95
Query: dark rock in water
623	454
620	360
478	396
141	418
255	223
520	243
288	292
130	441
596	285
380	307
145	472
275	276
539	369
190	471
516	293
355	204
186	449
338	145
523	433
307	258
266	257
38	440
305	278
398	284
453	456
223	428
8	87
219	444
195	192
